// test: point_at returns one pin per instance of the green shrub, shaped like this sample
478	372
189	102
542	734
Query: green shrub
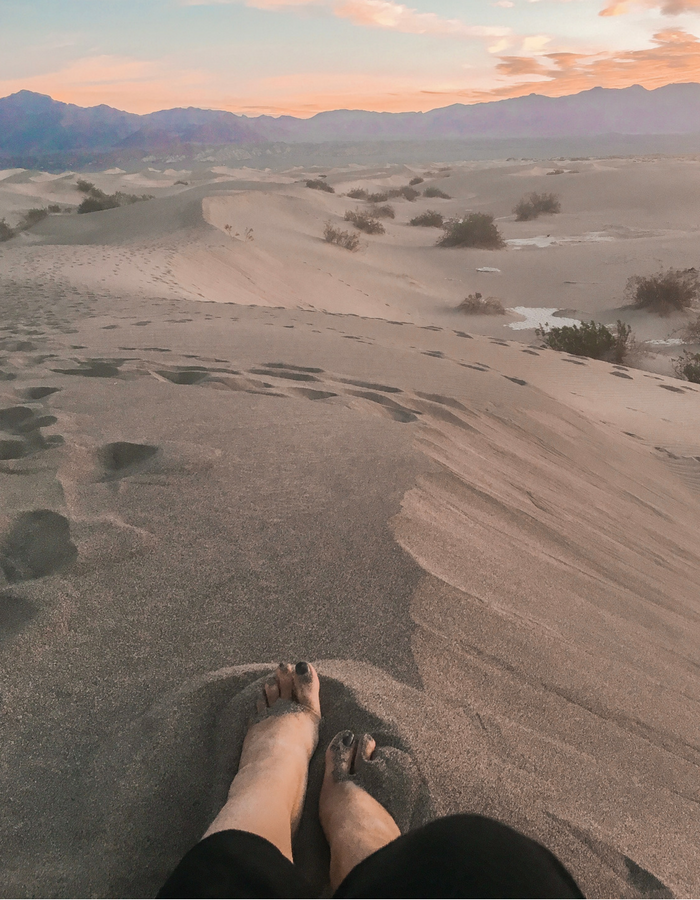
687	366
54	208
692	332
435	192
664	293
382	212
416	180
95	204
590	339
6	233
533	205
472	230
407	192
358	194
364	222
87	187
31	218
341	238
429	219
475	304
318	184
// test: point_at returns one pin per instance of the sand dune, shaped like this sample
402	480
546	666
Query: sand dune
490	548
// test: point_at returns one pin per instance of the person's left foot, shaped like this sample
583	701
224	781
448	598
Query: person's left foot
267	794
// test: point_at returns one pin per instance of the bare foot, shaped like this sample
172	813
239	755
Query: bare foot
267	795
355	824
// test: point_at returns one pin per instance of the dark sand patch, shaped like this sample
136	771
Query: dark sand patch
36	544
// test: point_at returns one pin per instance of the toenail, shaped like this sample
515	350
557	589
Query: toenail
348	739
302	668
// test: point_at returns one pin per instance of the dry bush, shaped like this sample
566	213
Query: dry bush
533	205
472	230
358	194
97	204
341	238
382	212
379	197
429	219
687	366
407	192
54	208
476	305
31	218
6	233
416	180
556	172
86	187
691	334
364	222
97	200
664	293
180	181
435	192
590	339
318	184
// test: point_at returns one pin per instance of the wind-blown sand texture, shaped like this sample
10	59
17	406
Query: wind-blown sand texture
490	550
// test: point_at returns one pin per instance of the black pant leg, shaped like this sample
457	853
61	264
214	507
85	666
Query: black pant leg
460	856
235	864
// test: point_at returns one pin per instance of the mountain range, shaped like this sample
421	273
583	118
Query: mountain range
32	123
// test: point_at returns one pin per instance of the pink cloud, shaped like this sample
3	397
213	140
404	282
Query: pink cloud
666	7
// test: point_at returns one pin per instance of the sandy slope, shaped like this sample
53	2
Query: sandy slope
492	550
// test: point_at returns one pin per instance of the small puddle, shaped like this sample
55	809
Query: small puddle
548	240
538	315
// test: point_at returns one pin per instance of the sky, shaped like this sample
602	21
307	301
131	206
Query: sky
300	57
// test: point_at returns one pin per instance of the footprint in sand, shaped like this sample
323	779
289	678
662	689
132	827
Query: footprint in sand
122	458
95	368
36	544
622	375
15	612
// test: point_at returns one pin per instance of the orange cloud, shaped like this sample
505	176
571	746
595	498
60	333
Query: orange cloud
666	7
673	57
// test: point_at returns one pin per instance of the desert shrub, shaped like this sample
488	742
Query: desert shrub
472	230
687	366
475	304
32	217
318	184
5	231
691	334
408	193
590	339
87	187
54	208
416	180
664	293
382	212
429	219
533	205
358	194
127	199
180	181
97	204
436	193
378	197
364	222
556	172
341	238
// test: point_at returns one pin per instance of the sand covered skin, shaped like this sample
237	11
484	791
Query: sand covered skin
490	549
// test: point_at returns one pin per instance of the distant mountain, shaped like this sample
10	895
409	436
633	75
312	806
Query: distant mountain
34	124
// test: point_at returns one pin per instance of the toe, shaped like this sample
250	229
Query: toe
285	680
340	755
365	748
306	687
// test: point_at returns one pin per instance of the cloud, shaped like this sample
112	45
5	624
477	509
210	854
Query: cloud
674	56
385	14
666	7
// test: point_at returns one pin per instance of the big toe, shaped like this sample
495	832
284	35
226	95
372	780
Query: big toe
307	687
340	756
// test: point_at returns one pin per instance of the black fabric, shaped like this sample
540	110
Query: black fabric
235	864
458	856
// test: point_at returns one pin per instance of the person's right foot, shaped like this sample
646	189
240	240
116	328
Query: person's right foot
355	824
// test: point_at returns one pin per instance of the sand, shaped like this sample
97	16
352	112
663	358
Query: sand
219	453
